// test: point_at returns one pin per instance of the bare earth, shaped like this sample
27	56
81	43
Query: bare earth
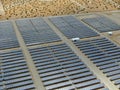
35	8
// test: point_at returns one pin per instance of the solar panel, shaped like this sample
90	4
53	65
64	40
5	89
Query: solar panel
102	24
105	54
36	31
8	38
72	27
60	68
14	73
1	81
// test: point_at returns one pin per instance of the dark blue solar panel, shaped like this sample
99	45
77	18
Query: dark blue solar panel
14	71
72	28
58	65
102	24
36	31
103	53
8	38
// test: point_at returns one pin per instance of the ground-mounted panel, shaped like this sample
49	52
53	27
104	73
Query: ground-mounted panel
72	28
36	31
14	71
102	24
60	68
8	38
105	55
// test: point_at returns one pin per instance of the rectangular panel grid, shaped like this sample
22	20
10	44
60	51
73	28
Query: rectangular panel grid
14	72
105	55
8	38
36	31
72	28
59	68
1	80
102	24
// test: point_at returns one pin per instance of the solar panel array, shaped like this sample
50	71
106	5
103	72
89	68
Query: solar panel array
72	28
105	55
60	68
102	24
14	73
7	36
57	65
36	31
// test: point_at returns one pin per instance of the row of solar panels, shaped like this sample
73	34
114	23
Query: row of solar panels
105	55
14	73
71	27
60	69
102	24
37	31
57	65
8	38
